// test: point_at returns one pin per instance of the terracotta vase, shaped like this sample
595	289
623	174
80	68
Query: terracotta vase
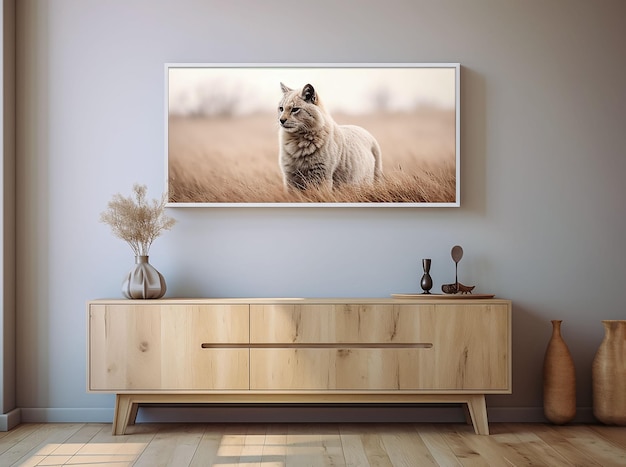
143	281
559	379
608	374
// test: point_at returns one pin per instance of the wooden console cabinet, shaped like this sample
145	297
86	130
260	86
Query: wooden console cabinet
326	351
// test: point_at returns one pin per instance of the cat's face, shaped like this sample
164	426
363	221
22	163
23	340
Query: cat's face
300	110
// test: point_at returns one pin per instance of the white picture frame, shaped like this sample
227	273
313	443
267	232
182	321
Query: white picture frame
222	126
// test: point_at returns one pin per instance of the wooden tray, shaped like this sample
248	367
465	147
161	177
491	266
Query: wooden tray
438	296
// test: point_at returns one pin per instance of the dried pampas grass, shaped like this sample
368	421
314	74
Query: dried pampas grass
137	221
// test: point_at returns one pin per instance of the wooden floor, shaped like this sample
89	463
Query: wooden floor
358	445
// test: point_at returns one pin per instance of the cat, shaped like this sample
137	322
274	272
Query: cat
317	152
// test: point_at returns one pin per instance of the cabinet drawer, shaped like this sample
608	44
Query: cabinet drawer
332	323
153	348
337	369
464	347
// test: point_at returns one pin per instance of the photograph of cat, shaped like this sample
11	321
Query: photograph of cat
314	151
330	135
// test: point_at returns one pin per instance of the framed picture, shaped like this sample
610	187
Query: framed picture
313	134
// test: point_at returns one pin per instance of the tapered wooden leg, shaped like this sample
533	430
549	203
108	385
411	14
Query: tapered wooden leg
478	411
124	411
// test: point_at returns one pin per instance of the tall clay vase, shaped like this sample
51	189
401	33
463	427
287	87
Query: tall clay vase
143	281
608	374
559	379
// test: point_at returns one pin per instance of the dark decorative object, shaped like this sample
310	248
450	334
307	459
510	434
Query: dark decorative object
464	288
427	282
449	288
457	287
559	379
143	281
608	374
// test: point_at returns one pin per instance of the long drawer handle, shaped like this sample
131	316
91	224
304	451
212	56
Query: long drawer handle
339	345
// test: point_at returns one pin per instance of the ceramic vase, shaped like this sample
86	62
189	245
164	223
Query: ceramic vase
559	379
608	374
143	281
426	282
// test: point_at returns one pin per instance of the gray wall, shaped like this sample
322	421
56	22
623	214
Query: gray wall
542	211
9	415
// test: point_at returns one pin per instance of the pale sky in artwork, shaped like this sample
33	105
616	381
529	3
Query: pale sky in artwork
342	89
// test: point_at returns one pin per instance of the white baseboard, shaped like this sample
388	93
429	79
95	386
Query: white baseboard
10	420
294	414
533	415
69	415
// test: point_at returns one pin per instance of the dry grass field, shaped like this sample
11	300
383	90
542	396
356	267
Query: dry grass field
235	160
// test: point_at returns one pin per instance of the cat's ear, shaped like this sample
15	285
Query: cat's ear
309	94
285	88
